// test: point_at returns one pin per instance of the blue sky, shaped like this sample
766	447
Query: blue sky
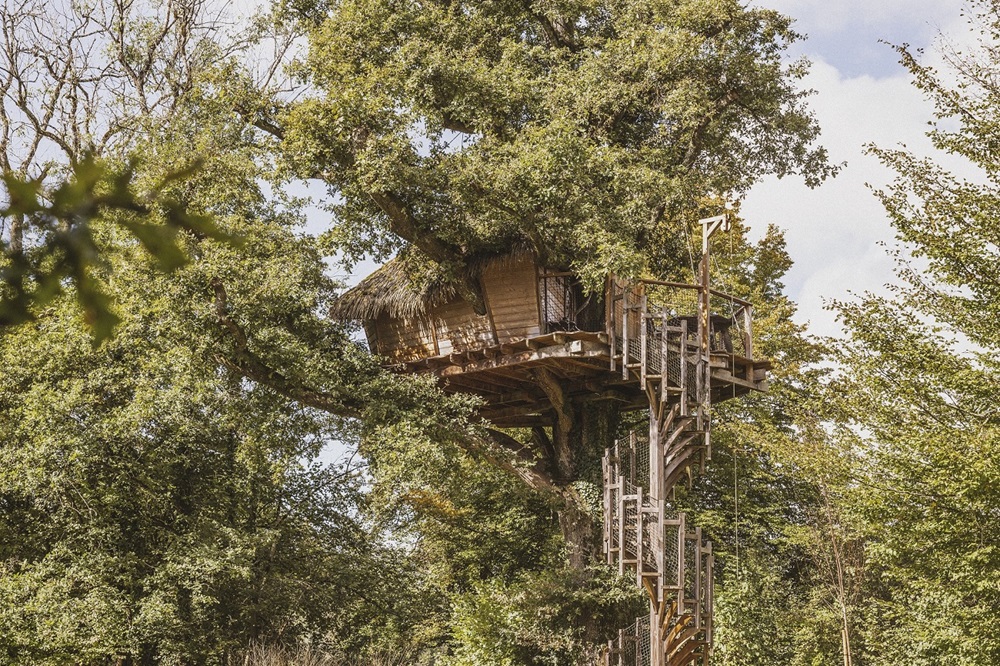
846	33
862	95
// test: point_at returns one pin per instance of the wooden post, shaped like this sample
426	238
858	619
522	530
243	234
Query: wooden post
621	524
748	331
664	361
661	561
606	476
696	593
656	453
638	537
684	363
709	594
609	317
643	341
625	307
681	562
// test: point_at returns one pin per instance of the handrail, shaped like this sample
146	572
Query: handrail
742	318
695	287
730	297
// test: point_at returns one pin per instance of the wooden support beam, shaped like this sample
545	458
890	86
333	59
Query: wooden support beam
579	348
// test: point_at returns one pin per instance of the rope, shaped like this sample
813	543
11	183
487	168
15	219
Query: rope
736	504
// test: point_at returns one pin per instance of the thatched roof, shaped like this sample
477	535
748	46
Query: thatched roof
390	290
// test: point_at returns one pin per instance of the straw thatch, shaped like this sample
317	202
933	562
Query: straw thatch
390	290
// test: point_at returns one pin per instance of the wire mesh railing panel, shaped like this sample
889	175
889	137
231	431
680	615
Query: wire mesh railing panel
612	520
673	569
644	648
690	569
639	447
652	540
634	351
630	516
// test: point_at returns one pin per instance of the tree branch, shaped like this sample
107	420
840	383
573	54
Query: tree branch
530	469
247	364
403	224
565	421
698	135
556	32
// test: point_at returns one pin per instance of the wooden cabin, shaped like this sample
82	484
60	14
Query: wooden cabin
523	300
537	316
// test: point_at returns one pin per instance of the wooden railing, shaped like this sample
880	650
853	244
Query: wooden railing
630	306
669	558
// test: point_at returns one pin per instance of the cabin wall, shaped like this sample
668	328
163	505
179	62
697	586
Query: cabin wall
403	339
459	328
511	291
512	296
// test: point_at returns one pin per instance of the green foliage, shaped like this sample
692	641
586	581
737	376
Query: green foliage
916	396
757	612
59	224
155	507
583	130
543	617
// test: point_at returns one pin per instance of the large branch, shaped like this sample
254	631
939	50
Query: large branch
530	469
403	224
565	421
698	134
558	34
449	122
245	363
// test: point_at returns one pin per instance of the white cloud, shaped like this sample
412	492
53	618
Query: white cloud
834	231
824	16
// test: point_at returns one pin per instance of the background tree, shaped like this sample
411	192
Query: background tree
916	397
80	86
157	505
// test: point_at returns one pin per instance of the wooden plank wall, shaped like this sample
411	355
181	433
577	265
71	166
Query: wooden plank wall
459	328
404	339
512	293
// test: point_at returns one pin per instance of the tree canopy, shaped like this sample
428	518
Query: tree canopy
169	371
586	131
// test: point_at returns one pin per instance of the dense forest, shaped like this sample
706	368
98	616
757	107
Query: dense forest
171	372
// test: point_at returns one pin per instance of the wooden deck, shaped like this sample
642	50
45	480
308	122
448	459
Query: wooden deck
504	375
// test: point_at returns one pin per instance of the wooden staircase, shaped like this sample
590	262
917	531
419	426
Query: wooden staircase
682	363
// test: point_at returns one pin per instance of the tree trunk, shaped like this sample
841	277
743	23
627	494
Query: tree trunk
582	433
581	530
16	234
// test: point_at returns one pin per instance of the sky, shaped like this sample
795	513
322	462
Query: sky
862	95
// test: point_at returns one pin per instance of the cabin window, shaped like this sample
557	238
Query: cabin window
557	298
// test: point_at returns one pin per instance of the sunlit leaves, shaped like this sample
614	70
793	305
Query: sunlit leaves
55	247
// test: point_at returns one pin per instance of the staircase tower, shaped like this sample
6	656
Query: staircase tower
683	364
672	349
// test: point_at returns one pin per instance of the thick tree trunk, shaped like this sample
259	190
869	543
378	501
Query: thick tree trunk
580	529
581	435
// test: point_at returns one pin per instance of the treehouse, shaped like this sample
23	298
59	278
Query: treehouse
542	343
539	316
